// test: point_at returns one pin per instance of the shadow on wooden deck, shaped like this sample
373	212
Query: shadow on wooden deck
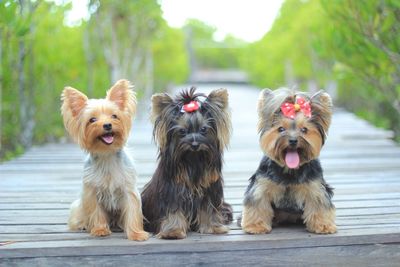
360	162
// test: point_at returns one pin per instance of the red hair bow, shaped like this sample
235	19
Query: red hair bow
289	109
191	106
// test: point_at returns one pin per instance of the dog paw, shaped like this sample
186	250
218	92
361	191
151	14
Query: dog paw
138	236
220	229
328	228
216	229
100	231
257	229
174	234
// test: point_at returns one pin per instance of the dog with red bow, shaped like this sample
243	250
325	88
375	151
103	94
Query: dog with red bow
288	185
186	190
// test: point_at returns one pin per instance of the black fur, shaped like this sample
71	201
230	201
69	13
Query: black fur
268	169
179	182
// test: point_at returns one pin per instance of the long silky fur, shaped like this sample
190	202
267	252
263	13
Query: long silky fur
187	182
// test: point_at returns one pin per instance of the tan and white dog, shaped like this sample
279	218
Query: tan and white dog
109	196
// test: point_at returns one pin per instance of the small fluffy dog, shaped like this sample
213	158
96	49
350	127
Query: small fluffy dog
186	190
288	184
101	127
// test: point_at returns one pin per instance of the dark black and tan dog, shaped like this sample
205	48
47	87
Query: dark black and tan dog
186	190
288	186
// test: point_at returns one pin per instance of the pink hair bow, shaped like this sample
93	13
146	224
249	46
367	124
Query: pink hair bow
289	109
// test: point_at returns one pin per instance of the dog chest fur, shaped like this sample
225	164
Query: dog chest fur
111	175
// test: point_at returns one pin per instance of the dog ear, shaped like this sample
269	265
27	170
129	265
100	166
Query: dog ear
122	94
158	103
219	97
217	103
322	99
73	101
321	110
265	97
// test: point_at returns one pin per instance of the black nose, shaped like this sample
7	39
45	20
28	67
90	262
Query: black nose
195	146
292	141
107	126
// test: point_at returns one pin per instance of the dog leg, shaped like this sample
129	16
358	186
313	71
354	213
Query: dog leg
257	211
96	218
210	221
132	218
319	212
320	220
76	220
257	218
174	226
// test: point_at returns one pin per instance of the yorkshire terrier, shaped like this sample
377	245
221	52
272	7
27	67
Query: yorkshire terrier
186	190
288	185
109	196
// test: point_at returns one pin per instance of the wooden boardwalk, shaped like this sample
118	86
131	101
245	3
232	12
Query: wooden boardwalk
360	162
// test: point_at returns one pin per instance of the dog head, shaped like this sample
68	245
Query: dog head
191	123
99	125
292	125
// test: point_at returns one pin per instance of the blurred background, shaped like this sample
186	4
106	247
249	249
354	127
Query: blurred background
350	48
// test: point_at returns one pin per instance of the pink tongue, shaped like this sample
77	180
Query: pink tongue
292	159
108	138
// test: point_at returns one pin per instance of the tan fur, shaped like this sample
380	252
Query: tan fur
269	104
273	144
318	216
109	180
224	126
257	218
208	222
175	226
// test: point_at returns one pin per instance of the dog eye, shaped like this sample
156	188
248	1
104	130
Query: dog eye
304	130
203	130
182	131
92	120
114	116
281	129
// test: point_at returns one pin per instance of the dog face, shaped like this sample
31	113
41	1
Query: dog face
294	136
191	123
194	133
99	125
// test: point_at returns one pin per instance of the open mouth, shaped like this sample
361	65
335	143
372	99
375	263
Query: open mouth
292	159
107	138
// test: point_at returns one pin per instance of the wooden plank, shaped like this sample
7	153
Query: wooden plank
203	243
355	255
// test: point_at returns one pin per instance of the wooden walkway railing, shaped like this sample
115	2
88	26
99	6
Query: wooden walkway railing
360	162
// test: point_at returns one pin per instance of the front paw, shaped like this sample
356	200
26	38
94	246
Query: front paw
215	229
173	234
138	236
257	228
100	231
323	228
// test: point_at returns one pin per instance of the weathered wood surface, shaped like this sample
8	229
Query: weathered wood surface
360	162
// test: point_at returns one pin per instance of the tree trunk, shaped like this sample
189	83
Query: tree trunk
23	105
26	109
1	88
89	62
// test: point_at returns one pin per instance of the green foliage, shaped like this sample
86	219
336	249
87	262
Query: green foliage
366	42
170	58
288	54
208	52
56	55
354	43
